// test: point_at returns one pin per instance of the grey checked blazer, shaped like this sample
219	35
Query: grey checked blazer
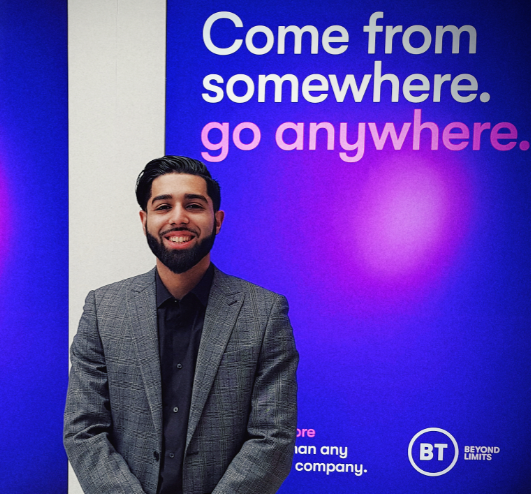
242	421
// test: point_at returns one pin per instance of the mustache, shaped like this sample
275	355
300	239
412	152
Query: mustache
178	229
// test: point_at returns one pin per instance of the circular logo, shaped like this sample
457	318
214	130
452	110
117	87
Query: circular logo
431	452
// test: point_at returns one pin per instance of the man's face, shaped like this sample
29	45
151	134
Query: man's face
179	221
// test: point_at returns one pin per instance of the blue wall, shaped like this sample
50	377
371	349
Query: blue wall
33	245
407	270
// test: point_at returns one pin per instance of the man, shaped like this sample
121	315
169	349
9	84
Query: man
183	378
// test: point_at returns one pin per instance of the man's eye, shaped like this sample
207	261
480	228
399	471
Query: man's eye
162	207
194	206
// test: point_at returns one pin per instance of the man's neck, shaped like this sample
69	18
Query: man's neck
180	284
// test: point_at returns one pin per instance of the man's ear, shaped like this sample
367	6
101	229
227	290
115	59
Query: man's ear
218	220
143	219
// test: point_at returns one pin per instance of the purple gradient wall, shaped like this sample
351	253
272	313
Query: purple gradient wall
33	245
406	263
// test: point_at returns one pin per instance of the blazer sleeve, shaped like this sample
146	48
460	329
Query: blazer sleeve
87	427
265	458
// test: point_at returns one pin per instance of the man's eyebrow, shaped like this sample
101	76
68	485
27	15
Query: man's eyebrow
196	196
162	197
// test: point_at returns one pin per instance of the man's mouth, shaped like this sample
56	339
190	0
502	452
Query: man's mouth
181	239
178	238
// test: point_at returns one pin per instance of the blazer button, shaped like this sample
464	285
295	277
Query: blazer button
156	455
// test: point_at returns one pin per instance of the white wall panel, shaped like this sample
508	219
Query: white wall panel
116	125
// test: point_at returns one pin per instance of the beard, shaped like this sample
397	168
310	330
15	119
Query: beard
179	261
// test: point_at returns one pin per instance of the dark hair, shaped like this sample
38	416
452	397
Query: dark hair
174	164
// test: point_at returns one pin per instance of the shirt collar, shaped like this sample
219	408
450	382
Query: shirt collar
201	290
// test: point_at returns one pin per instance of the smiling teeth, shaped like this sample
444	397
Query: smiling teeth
179	240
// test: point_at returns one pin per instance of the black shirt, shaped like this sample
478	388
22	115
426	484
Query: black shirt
179	324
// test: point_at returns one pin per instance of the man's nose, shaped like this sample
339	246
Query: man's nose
179	216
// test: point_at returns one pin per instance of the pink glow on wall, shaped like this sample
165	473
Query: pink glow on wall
410	215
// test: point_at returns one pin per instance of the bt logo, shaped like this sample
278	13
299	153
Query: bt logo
433	452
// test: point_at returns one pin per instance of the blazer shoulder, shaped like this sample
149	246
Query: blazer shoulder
119	288
232	284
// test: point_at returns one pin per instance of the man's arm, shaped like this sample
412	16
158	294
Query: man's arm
99	468
265	459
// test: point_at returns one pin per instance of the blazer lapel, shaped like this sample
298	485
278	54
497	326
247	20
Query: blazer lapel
220	318
142	308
